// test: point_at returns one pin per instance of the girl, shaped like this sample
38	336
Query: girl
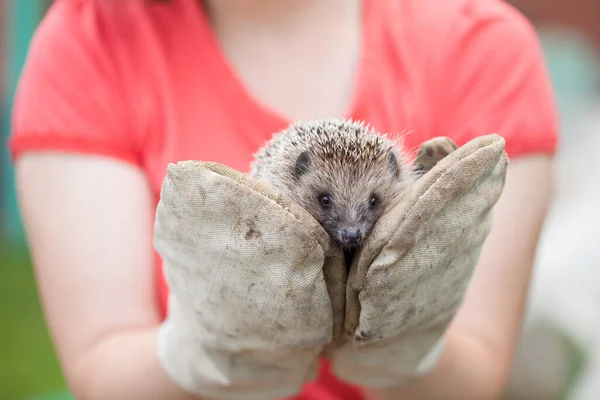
112	91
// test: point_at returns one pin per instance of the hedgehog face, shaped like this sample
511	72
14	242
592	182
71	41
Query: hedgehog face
342	172
347	199
348	219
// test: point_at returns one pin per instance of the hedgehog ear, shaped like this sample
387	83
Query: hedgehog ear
394	164
302	164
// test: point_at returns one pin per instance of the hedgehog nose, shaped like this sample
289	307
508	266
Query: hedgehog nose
351	236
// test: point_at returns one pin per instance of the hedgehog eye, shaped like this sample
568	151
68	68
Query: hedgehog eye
373	201
325	200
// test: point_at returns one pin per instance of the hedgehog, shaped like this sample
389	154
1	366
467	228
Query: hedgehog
343	172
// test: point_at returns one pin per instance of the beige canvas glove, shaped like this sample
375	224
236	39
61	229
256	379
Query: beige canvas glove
250	310
408	281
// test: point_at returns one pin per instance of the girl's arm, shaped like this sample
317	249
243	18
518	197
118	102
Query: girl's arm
88	218
494	79
89	224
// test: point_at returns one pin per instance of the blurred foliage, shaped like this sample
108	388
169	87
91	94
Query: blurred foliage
28	365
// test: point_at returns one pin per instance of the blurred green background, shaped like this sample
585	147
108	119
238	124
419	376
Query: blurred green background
28	366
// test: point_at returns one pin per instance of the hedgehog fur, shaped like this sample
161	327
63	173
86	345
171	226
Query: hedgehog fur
342	172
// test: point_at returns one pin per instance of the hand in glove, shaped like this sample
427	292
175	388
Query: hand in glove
249	310
409	278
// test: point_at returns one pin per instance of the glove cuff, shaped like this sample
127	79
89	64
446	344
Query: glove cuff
386	367
210	373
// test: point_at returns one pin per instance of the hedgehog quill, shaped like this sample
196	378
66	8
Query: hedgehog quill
342	172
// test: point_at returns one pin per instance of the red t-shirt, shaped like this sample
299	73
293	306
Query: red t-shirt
146	83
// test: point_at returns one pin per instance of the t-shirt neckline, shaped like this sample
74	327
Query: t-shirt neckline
229	77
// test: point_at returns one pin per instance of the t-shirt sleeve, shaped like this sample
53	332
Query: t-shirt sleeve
69	97
495	81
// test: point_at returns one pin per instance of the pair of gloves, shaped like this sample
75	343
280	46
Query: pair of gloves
257	295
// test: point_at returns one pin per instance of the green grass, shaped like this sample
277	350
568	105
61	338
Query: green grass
577	361
28	364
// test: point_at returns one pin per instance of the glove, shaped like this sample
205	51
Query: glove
250	276
409	279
